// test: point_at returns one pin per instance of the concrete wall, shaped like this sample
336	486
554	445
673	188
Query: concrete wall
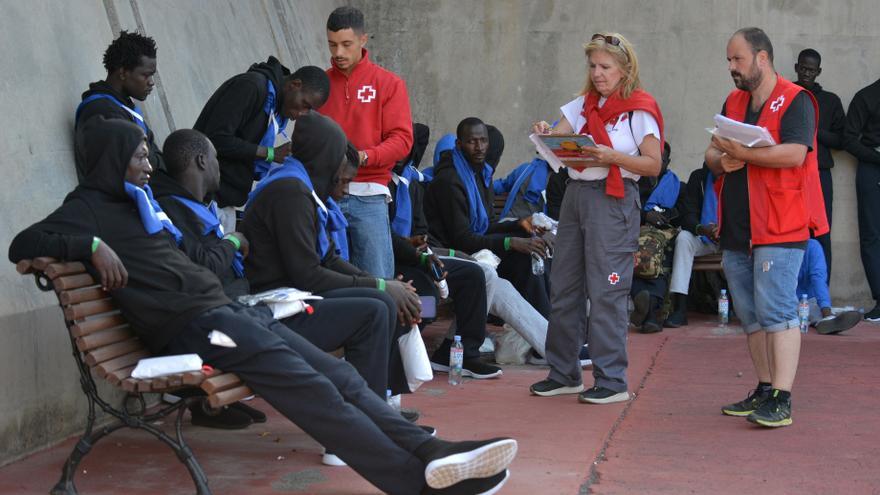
513	62
510	62
49	52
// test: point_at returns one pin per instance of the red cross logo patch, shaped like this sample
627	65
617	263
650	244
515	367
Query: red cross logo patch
366	94
777	103
613	278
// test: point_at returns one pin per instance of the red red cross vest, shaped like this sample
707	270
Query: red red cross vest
785	204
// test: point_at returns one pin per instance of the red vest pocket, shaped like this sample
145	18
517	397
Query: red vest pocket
788	210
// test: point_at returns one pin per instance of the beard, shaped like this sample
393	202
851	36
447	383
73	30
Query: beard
747	82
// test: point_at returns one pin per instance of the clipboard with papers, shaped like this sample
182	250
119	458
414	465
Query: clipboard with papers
563	150
748	135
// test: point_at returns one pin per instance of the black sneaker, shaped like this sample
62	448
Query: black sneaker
255	414
602	395
838	323
651	325
549	388
473	368
411	415
874	314
773	412
448	463
748	405
224	419
676	319
641	307
478	486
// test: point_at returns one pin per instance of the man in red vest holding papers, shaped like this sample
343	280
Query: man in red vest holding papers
769	202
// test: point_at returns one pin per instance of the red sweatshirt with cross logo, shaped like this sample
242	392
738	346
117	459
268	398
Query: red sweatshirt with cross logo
372	107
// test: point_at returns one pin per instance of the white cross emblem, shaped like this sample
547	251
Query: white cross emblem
777	103
366	94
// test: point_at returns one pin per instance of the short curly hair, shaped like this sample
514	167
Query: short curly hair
126	51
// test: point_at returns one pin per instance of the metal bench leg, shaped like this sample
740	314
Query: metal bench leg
65	485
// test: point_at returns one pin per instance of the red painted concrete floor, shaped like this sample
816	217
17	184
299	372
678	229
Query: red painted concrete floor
671	438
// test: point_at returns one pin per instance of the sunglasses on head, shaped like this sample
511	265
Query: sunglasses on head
611	40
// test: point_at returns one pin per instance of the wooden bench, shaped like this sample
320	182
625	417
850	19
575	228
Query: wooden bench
707	263
105	346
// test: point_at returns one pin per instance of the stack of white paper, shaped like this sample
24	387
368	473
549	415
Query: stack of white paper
746	134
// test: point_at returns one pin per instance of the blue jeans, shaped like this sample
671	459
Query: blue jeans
763	287
369	233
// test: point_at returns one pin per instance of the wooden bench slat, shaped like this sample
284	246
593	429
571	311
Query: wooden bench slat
108	352
131	359
102	338
93	293
193	378
116	377
227	397
220	382
96	324
42	262
91	308
56	270
73	282
129	384
24	267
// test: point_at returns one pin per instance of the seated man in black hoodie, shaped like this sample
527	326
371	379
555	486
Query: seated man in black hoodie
112	225
465	280
361	325
459	208
287	217
244	117
130	61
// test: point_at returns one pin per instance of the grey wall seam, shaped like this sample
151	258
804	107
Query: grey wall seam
285	29
166	108
112	16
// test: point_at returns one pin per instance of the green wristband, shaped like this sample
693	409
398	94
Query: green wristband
452	253
423	259
234	240
270	155
380	284
96	241
507	243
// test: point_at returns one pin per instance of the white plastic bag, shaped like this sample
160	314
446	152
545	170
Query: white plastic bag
167	365
284	301
487	257
416	364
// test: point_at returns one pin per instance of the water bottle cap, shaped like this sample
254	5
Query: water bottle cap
803	296
724	291
388	393
457	338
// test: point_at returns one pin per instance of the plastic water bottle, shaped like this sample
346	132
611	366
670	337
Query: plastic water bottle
723	308
393	400
804	313
456	359
537	264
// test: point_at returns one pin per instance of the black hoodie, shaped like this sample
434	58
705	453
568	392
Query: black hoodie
233	119
109	110
446	207
210	251
282	224
165	289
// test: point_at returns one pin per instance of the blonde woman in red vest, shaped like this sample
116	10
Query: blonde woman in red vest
599	222
769	202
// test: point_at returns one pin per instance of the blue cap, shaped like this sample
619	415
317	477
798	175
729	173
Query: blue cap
458	338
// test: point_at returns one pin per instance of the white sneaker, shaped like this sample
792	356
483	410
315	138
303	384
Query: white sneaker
329	459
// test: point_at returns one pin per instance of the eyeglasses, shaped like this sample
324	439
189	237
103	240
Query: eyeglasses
611	40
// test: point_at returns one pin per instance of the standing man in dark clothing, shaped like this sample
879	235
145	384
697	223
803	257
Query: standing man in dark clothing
111	225
830	132
361	324
131	65
766	216
862	137
459	208
244	119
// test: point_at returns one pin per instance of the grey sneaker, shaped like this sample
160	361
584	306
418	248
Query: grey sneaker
549	388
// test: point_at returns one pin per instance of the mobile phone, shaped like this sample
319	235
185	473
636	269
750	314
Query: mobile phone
429	306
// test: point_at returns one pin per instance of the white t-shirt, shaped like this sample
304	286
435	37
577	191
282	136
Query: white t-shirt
622	140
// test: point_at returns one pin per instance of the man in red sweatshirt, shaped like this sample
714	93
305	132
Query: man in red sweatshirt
372	107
